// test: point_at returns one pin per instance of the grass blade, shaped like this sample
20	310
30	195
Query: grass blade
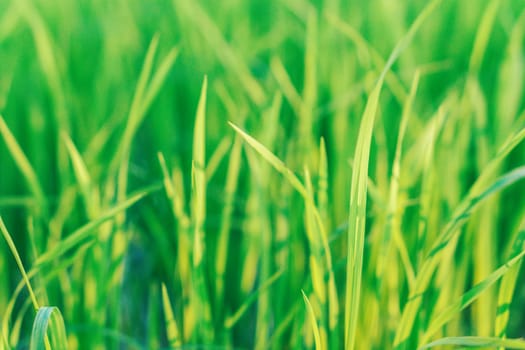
313	322
357	217
223	50
23	164
48	321
221	260
13	249
236	316
358	190
275	162
198	217
483	36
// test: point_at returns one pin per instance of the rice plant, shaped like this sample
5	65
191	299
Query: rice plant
281	174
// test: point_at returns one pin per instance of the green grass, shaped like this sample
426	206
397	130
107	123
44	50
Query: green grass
262	174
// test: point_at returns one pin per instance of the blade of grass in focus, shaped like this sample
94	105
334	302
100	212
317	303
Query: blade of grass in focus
358	191
198	219
48	321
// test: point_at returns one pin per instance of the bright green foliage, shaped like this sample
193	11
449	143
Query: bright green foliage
48	319
270	174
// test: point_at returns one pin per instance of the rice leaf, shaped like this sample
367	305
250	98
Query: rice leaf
279	166
23	164
358	190
158	79
198	218
276	163
84	232
13	249
172	331
483	36
217	157
236	316
83	177
81	172
286	85
322	183
199	177
357	217
48	322
313	322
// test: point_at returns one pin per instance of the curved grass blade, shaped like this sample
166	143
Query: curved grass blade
48	321
232	179
285	83
82	176
275	162
79	167
483	36
199	176
218	155
357	217
358	190
313	322
47	276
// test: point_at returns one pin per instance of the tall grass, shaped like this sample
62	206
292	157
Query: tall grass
262	174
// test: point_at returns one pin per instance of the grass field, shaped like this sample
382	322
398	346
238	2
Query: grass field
264	174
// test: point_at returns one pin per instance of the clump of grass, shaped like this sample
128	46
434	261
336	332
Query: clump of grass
262	175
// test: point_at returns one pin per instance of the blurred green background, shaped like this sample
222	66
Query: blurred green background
290	72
